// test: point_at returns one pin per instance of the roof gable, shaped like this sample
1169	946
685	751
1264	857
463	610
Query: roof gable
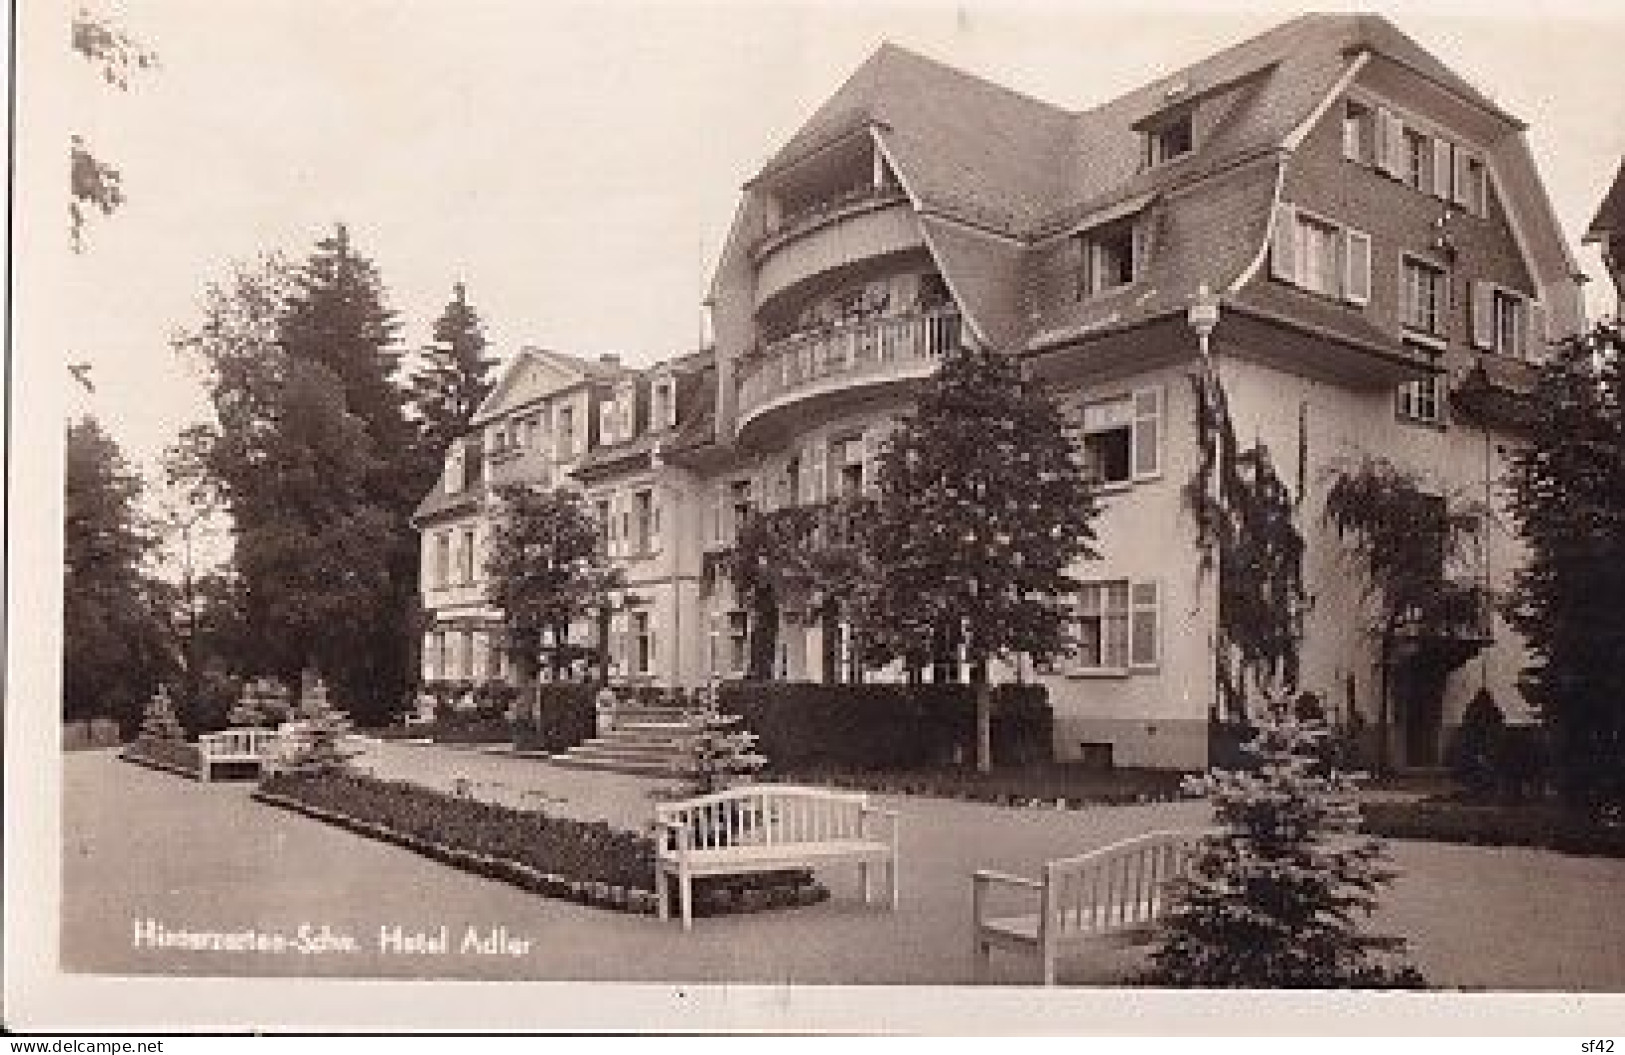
532	374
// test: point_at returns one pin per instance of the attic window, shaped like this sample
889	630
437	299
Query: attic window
1168	140
1110	256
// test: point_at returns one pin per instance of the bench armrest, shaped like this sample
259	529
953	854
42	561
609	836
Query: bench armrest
664	825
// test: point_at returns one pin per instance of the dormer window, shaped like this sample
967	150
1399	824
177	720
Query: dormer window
1169	139
1110	256
663	405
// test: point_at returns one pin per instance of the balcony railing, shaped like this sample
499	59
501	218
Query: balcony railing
875	349
814	214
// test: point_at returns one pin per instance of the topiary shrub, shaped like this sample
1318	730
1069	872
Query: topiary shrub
1276	898
158	721
1475	753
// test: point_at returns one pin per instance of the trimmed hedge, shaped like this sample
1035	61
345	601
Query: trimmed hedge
555	716
807	726
177	756
1541	826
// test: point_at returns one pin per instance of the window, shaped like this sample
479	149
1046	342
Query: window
740	504
1422	305
466	557
1419	401
736	645
662	406
1418	170
566	420
1511	323
1109	258
1169	140
848	455
1320	256
442	559
1359	133
533	431
1118	626
605	523
1471	190
792	481
643	521
608	422
643	644
465	654
1122	438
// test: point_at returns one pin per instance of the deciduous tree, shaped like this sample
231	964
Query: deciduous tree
983	508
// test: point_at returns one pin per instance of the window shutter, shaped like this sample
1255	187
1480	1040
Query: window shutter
1356	266
1535	336
1144	236
1483	320
1481	189
1144	628
1443	154
654	520
1283	242
1147	433
817	470
873	437
1390	144
1459	188
1077	263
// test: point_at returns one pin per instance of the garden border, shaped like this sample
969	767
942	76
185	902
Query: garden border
159	764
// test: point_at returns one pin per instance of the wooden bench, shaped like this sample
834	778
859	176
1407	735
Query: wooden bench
236	747
761	828
1119	889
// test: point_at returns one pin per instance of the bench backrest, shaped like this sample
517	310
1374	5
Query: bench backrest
767	815
238	743
1121	885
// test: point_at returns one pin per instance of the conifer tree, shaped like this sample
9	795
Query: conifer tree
455	375
983	507
1278	897
1568	497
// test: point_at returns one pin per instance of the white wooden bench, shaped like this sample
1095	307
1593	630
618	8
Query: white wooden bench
761	828
1119	889
236	747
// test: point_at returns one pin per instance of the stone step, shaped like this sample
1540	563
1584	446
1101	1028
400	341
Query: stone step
616	765
618	749
637	738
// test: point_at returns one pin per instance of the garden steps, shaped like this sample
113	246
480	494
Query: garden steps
645	740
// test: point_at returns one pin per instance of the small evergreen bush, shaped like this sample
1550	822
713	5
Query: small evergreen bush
1277	897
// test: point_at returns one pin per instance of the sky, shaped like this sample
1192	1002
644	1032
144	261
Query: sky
578	166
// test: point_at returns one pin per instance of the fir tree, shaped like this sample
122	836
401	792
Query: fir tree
159	722
983	507
455	375
1278	897
1568	497
114	646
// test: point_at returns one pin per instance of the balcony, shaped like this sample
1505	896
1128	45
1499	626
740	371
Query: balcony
1452	626
851	227
866	354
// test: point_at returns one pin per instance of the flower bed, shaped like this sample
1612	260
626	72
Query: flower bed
174	756
583	861
1543	826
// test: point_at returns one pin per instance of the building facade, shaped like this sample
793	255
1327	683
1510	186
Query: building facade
1383	261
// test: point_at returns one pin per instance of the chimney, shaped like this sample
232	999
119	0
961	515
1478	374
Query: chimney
610	359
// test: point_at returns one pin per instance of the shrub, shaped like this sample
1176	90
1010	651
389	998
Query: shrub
805	726
555	717
1275	899
1481	824
158	721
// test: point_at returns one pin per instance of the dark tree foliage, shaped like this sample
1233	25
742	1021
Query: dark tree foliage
114	647
316	462
1403	540
817	557
455	374
547	570
1247	533
93	184
983	507
1568	498
1278	897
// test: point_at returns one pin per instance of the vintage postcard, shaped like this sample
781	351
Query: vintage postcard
913	518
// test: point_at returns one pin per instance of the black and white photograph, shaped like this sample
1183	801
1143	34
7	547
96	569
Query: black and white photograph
906	518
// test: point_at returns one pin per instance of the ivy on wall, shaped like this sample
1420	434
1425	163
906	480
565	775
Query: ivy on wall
1247	535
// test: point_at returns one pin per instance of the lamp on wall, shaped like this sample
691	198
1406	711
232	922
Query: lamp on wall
1203	316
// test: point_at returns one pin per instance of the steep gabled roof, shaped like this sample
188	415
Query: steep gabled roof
1609	223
